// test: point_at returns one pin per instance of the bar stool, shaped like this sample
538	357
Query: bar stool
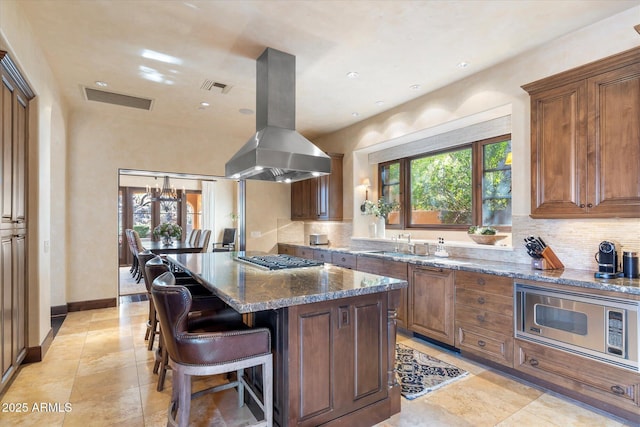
212	349
152	323
204	305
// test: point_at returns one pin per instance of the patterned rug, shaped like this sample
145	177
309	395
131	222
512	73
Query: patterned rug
419	373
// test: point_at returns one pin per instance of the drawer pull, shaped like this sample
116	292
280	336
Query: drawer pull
481	300
534	362
480	281
480	318
481	343
343	259
616	389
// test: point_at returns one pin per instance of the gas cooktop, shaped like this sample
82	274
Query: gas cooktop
279	262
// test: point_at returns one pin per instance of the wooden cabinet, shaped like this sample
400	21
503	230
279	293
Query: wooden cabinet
484	316
431	302
322	255
319	198
585	128
604	386
285	249
345	260
14	125
389	268
334	361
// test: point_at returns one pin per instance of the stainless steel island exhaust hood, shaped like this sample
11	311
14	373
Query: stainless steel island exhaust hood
277	152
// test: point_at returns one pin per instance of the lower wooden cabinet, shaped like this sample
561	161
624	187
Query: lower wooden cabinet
345	260
389	268
431	303
612	389
484	316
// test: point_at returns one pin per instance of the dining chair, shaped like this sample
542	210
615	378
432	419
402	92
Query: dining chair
228	241
195	236
209	347
205	236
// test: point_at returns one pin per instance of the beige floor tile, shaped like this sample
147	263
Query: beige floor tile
154	401
122	408
100	362
113	342
38	392
32	418
554	411
105	382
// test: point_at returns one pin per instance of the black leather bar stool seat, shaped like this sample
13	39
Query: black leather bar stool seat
215	347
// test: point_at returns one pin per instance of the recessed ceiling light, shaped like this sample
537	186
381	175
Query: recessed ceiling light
355	114
379	103
463	64
245	111
101	83
353	74
414	87
204	104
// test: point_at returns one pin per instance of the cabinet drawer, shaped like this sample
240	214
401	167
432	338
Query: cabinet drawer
322	255
286	249
485	301
484	319
304	252
489	345
608	384
381	266
484	282
343	260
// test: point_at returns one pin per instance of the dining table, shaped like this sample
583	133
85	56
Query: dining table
176	247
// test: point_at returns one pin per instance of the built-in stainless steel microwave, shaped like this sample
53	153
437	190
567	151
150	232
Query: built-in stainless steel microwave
594	326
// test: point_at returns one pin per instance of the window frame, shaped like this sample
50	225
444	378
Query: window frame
477	161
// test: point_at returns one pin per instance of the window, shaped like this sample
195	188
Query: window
454	189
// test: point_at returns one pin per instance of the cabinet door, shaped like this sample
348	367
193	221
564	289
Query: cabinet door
12	296
614	142
329	191
431	303
558	151
337	364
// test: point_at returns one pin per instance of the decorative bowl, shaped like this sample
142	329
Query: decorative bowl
486	239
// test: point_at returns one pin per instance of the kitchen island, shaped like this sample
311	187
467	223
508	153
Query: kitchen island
333	332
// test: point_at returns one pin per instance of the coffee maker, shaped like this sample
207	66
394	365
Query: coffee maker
607	258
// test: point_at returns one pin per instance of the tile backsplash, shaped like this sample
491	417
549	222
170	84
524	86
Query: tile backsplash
575	241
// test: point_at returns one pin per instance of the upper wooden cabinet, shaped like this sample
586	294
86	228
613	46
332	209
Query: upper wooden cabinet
585	140
319	198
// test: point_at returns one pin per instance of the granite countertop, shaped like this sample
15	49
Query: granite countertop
248	288
569	277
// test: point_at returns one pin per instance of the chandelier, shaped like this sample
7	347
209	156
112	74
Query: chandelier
166	194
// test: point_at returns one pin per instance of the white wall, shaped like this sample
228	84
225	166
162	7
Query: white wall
490	89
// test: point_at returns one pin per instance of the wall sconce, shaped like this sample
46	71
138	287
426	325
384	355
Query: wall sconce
366	183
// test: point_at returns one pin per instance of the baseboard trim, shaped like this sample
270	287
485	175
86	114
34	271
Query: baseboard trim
92	305
59	310
36	354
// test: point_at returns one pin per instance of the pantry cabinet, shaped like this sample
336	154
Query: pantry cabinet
14	125
431	302
585	128
320	198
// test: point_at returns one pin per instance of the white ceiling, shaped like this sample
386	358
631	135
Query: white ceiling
391	44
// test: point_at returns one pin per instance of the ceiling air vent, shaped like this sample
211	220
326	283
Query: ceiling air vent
117	99
210	84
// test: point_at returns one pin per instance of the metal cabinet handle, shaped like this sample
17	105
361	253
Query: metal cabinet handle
534	362
589	205
481	343
343	259
616	389
481	300
480	318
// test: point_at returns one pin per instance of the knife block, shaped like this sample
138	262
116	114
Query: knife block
549	261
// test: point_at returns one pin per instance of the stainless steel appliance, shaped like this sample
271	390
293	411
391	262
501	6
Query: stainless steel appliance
318	239
279	262
598	327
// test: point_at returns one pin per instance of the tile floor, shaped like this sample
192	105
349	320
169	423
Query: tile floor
98	372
